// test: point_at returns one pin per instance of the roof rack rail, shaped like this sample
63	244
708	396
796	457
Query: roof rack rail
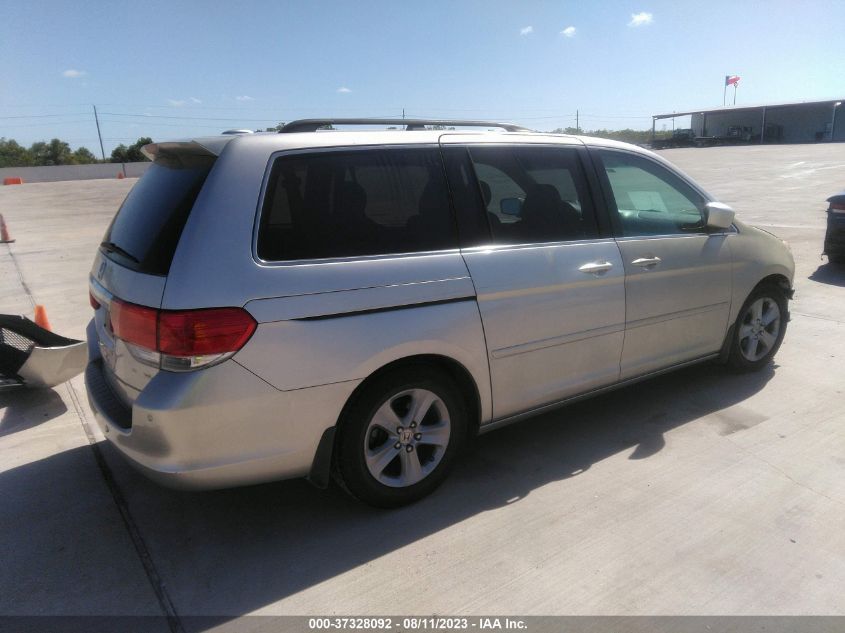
312	125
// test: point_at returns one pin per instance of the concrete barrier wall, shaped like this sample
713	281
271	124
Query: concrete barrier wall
73	172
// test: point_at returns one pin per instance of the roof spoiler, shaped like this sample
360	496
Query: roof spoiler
312	125
153	150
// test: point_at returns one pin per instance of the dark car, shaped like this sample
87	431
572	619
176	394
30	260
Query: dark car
834	239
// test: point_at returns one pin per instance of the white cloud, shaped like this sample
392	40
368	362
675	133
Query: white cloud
526	30
244	98
195	100
72	73
569	31
344	89
176	103
641	19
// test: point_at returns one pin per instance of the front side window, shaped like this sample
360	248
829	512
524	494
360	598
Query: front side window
650	199
356	203
533	194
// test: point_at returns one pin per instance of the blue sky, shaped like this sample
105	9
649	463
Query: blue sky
182	68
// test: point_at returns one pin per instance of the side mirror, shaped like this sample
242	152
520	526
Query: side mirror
719	216
511	206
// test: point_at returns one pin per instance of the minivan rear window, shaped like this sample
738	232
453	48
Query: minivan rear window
144	233
346	203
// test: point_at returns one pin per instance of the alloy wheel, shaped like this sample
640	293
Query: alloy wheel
407	437
759	329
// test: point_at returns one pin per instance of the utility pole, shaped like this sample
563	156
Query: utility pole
577	123
403	114
97	121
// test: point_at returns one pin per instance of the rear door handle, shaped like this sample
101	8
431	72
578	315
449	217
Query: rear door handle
646	262
596	268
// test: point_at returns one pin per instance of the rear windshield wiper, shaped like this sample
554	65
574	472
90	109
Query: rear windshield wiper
111	247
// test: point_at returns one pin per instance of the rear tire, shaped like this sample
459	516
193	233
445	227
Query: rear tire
399	438
836	259
759	329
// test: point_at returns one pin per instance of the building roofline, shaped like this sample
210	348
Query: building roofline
739	108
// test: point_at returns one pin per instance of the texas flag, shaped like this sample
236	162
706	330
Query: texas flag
731	80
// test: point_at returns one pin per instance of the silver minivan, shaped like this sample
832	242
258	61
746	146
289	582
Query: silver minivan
356	304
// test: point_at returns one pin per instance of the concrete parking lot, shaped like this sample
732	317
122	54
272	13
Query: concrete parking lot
700	492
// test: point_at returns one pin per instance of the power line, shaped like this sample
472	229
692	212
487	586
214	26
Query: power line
617	116
186	124
53	123
283	110
191	118
144	116
42	116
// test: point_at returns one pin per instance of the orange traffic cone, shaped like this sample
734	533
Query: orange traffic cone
5	238
120	175
41	318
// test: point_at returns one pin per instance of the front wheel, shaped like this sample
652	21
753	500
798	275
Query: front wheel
759	329
399	438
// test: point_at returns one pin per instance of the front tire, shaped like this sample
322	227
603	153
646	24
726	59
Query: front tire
399	438
759	329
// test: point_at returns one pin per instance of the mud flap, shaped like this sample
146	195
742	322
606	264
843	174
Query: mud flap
31	356
321	467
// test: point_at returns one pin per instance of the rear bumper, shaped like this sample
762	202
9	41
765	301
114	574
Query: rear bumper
32	356
216	428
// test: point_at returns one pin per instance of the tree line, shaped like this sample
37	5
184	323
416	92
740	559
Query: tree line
636	137
58	152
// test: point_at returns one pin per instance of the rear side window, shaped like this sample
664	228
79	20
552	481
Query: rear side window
144	233
534	194
355	203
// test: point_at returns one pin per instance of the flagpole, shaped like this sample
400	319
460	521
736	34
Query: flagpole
735	85
725	91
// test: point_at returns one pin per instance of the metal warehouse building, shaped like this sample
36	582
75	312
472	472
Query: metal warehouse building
801	122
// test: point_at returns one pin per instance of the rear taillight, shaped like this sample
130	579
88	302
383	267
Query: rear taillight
94	303
134	324
181	340
837	207
201	332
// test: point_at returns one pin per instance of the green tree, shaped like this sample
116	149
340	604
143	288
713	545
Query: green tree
56	152
119	155
638	137
131	154
14	155
83	156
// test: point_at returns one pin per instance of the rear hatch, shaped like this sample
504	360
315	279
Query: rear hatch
130	270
